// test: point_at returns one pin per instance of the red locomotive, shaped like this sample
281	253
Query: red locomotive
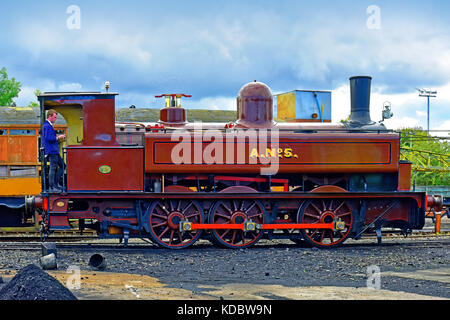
233	183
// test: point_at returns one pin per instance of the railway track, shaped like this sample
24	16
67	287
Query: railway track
32	233
37	238
73	240
417	241
74	235
82	243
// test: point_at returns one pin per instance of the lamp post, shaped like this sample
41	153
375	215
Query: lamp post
428	94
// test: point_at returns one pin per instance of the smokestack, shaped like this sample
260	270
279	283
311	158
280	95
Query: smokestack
360	100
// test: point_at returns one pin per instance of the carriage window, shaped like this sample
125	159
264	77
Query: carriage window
3	132
20	132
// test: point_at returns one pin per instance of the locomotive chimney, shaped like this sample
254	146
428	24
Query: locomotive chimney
360	100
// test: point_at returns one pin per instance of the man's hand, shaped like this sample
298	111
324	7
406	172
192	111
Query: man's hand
61	137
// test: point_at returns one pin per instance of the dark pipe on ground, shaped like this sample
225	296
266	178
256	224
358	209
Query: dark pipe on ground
97	261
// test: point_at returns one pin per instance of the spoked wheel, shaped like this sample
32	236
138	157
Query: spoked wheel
325	211
165	217
236	212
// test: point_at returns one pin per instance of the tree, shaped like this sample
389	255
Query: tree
9	88
429	155
33	104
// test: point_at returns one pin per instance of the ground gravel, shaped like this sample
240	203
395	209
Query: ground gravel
269	262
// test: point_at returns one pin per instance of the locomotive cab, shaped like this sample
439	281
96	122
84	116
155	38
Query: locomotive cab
94	160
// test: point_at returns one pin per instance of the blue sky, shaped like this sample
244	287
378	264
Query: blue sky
211	48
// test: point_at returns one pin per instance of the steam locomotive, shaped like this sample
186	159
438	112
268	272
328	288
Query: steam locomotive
175	182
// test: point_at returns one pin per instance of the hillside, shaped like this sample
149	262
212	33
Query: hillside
152	115
31	115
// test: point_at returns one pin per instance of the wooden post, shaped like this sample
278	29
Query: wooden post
437	225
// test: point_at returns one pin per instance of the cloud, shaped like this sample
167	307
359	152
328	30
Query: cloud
444	126
105	39
26	95
398	123
69	87
211	48
149	101
213	103
408	108
398	57
421	113
263	45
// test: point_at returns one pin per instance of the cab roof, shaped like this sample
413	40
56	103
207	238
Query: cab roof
76	95
53	99
89	93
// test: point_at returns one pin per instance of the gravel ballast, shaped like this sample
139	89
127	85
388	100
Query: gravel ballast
269	263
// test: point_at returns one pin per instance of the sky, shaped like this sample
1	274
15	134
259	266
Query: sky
210	49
